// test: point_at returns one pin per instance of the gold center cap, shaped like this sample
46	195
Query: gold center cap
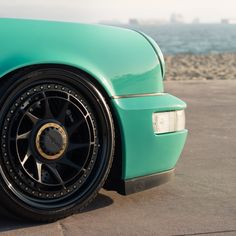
51	141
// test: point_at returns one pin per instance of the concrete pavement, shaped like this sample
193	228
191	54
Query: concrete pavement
201	200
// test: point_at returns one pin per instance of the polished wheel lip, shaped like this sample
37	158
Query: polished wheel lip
64	135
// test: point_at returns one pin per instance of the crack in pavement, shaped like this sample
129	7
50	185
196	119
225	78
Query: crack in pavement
62	227
214	232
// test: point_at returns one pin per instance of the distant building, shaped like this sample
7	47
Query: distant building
228	21
153	22
176	19
133	22
110	22
196	21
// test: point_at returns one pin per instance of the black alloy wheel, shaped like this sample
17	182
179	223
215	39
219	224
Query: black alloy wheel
57	143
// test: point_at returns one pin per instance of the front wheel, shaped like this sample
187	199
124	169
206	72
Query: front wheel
57	143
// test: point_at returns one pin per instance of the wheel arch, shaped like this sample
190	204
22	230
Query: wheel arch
93	73
115	175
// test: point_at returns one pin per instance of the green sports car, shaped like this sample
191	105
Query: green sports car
82	107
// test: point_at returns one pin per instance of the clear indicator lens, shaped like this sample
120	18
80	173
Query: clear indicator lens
166	122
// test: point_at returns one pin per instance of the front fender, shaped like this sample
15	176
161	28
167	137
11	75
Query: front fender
123	61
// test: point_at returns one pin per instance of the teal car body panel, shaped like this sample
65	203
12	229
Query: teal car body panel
120	59
124	62
146	153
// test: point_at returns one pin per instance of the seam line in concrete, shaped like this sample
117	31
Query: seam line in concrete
215	232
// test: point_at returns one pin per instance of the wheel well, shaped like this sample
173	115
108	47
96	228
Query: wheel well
116	170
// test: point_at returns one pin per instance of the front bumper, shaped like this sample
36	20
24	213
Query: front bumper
145	153
139	184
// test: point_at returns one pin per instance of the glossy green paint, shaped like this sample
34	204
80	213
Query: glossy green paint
122	60
144	152
158	51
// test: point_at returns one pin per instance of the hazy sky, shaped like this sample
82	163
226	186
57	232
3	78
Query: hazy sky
97	10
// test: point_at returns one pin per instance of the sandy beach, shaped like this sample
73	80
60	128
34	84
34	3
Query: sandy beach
201	67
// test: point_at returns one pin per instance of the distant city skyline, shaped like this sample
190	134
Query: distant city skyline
93	11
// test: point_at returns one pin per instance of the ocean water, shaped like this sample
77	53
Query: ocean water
193	39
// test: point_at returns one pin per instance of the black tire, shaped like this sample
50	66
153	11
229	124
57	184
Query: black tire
57	143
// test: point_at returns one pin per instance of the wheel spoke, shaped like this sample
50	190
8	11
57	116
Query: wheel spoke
23	136
75	146
26	157
71	164
48	112
32	117
56	174
62	115
75	126
39	170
